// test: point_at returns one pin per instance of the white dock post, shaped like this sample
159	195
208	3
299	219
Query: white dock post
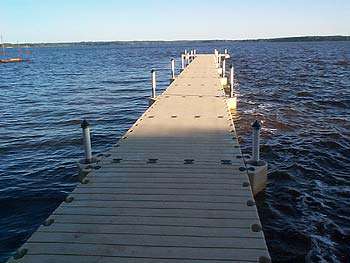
182	61
231	80
217	57
256	142
225	51
86	141
219	60
172	69
154	83
257	169
186	57
223	67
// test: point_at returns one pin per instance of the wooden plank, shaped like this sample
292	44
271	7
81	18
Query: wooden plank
110	259
157	185
165	230
154	197
156	240
98	220
158	205
163	191
181	213
163	252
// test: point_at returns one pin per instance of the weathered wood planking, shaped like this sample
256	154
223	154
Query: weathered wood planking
171	190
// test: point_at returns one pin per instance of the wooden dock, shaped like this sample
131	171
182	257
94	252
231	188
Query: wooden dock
173	189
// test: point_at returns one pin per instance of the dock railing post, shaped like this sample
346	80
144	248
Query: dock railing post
256	142
172	69
154	83
86	141
231	80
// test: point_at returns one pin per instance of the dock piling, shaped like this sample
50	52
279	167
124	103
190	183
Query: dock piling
172	69
256	142
154	83
231	80
223	67
257	169
182	62
216	57
86	141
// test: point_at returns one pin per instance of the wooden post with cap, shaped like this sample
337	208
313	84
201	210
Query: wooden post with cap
86	141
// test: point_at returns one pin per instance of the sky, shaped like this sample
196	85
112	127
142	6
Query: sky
111	20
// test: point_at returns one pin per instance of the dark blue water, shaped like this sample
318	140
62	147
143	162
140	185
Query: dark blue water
301	92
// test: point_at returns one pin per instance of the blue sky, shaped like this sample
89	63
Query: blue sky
94	20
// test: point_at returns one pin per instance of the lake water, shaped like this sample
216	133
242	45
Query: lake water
300	91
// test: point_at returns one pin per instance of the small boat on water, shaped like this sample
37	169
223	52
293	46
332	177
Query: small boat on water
11	60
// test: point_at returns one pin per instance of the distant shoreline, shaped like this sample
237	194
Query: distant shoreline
87	43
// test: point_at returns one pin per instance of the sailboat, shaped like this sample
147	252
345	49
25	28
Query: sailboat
11	60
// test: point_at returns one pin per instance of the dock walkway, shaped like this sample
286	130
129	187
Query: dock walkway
173	189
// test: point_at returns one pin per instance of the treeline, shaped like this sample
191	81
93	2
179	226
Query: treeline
309	38
106	43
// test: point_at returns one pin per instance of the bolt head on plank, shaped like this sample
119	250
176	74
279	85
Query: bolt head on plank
69	199
256	228
48	222
20	253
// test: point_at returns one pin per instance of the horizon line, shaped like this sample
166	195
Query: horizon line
176	40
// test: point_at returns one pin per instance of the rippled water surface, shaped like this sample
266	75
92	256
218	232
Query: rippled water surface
301	92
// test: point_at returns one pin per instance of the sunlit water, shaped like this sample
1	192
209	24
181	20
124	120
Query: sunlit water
301	92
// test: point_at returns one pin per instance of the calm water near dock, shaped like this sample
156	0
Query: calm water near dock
301	92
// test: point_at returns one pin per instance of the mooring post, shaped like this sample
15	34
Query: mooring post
257	169
256	142
172	69
231	80
182	61
225	51
223	67
153	73
86	141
